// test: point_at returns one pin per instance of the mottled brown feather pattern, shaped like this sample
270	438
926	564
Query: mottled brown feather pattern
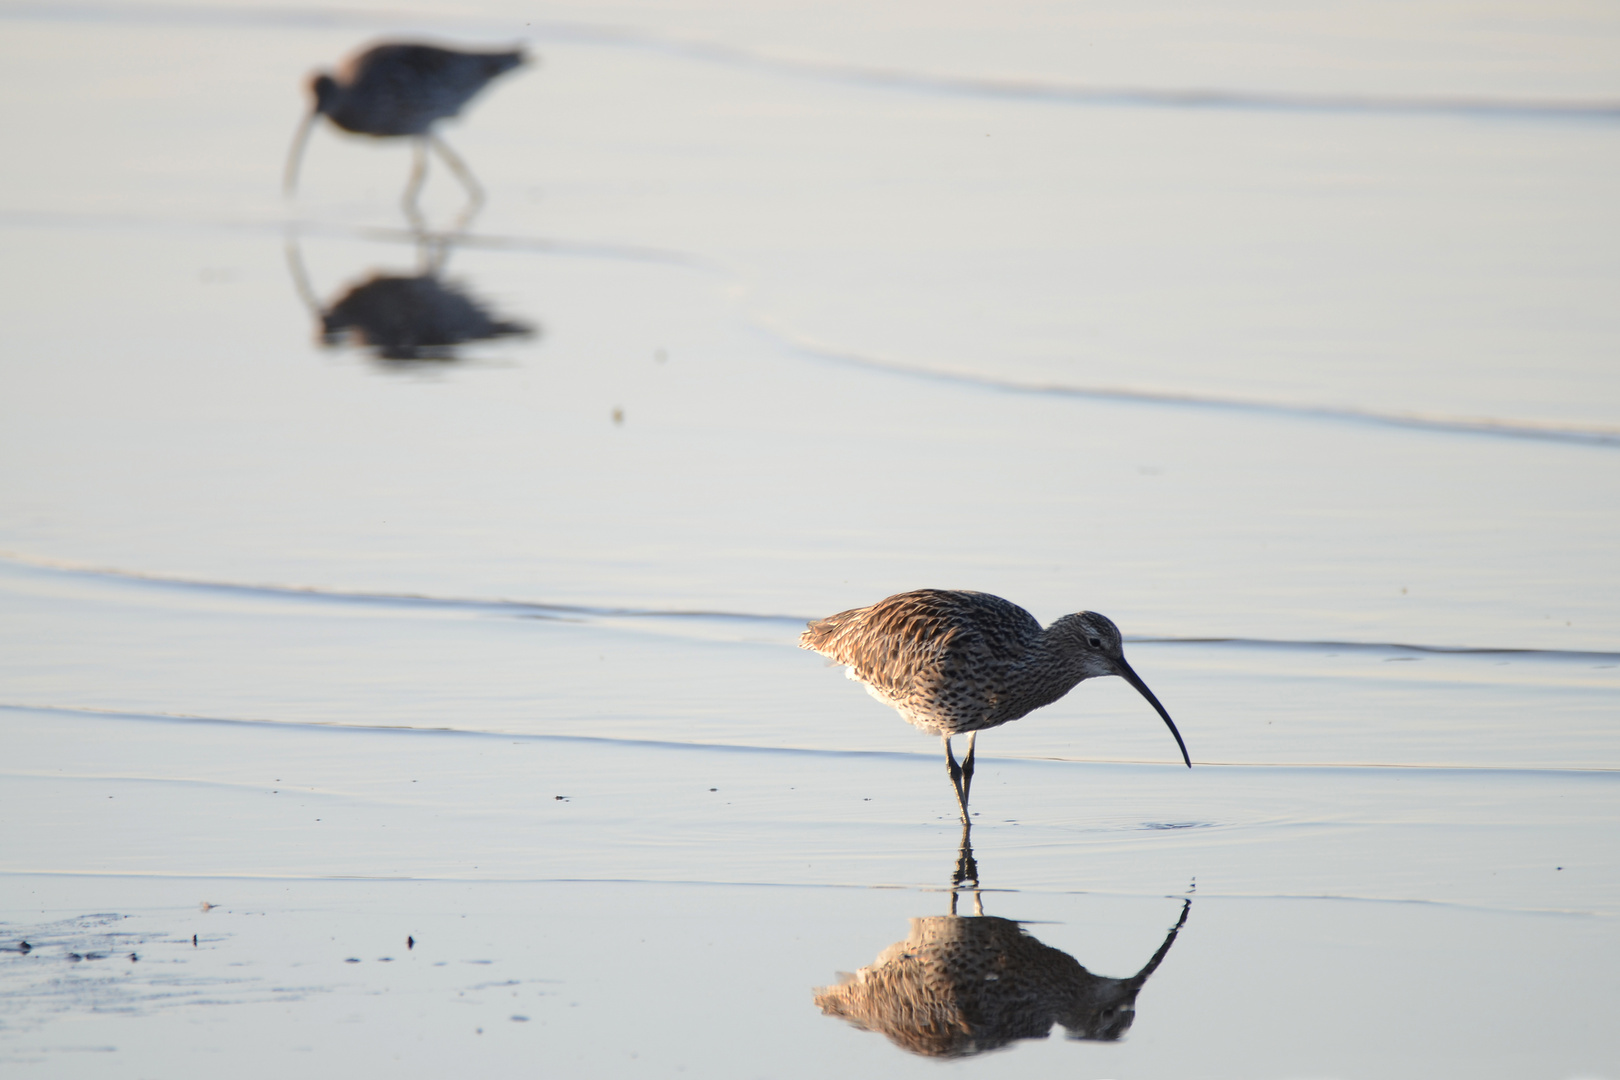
959	986
954	661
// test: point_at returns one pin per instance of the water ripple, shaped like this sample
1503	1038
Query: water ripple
1499	427
1601	773
875	77
536	609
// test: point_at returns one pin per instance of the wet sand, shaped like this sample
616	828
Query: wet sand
452	701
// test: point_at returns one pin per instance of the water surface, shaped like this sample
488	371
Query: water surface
377	710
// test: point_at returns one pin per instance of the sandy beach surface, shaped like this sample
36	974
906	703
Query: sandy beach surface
380	712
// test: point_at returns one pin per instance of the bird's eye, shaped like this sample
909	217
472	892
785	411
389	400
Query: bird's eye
1094	643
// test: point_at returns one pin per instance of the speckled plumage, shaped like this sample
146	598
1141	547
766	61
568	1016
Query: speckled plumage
956	662
962	985
953	661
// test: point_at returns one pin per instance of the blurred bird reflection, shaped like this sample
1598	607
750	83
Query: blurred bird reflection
963	985
417	316
411	318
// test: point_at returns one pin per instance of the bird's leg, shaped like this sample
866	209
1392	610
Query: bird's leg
414	187
956	780
475	193
967	769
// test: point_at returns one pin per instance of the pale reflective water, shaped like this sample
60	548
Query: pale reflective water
432	663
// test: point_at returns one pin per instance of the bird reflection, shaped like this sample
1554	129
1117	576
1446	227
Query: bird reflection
405	316
399	89
963	985
411	318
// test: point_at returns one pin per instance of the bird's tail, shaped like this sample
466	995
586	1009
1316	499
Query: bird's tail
830	636
818	634
498	63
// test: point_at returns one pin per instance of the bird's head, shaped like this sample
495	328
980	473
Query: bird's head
1102	1012
1095	646
324	89
1094	642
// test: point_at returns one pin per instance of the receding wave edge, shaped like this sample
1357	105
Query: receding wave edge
587	612
883	78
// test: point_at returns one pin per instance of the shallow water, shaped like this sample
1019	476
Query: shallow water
452	701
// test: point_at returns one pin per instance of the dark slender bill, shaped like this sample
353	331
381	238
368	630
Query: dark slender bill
295	154
1135	680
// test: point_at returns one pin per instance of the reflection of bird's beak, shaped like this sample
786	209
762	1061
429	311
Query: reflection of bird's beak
1136	981
295	155
1123	670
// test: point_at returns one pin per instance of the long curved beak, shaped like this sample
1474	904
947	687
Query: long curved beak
295	155
1125	672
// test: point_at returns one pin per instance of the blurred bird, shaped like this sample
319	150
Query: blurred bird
955	662
403	89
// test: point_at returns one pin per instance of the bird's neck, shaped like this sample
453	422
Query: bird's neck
1062	649
326	91
1053	667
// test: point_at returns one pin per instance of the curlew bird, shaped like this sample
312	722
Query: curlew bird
955	662
401	89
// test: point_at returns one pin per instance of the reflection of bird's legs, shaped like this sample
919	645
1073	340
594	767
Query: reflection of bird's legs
967	867
418	177
966	874
432	252
475	193
956	779
967	770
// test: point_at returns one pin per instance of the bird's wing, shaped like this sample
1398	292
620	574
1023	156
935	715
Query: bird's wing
402	88
923	638
452	77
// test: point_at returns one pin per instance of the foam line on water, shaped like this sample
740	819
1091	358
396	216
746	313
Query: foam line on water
1497	427
519	608
1205	896
508	242
1594	435
1381	646
1038	91
295	228
1081	94
315	726
588	612
454	732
